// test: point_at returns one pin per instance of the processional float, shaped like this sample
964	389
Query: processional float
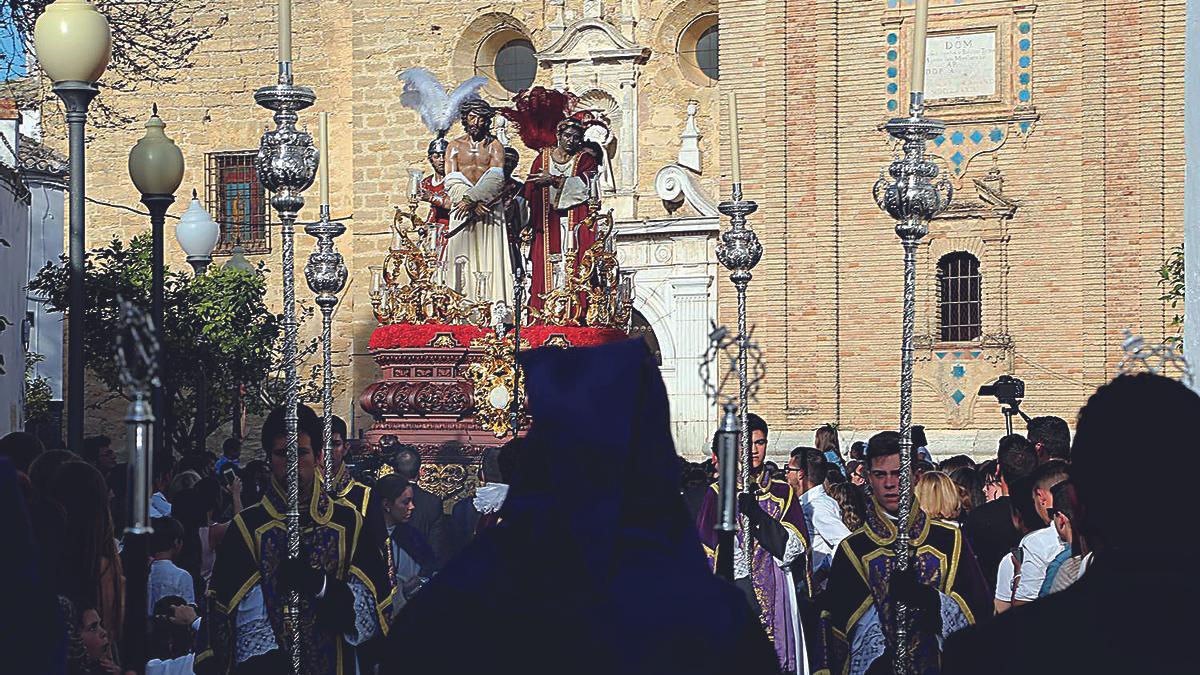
451	385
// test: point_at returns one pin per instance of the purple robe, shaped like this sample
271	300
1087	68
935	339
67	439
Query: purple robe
773	585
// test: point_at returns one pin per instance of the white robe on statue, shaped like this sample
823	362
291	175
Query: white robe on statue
479	246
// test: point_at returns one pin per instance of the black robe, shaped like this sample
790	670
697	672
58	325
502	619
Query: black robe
595	566
861	573
332	538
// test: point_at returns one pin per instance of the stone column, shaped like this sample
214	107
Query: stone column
695	307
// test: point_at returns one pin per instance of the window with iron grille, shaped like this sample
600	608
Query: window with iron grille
238	202
959	296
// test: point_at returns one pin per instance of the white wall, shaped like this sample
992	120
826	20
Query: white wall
14	223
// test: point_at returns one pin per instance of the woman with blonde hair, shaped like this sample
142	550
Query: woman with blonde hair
939	497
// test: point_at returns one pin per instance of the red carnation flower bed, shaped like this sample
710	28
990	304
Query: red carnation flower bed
408	336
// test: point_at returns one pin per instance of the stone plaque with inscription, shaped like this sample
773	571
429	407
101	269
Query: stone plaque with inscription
962	65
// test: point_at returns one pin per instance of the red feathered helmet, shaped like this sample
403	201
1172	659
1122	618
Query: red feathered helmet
537	113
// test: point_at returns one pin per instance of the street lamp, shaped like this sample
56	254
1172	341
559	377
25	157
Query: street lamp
74	45
198	233
156	167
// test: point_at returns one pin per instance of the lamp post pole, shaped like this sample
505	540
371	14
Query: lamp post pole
199	265
73	44
76	96
156	168
158	204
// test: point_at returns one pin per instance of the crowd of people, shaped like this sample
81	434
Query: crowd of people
595	549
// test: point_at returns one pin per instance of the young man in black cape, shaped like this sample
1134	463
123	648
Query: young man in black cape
339	575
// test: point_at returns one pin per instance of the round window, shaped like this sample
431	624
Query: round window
516	65
700	50
707	53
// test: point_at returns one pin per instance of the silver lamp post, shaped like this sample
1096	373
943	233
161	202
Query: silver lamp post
197	234
286	165
74	45
326	276
739	251
912	198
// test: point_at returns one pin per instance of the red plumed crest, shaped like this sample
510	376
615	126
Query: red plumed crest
537	112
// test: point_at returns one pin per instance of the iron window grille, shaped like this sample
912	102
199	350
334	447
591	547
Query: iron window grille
238	202
959	297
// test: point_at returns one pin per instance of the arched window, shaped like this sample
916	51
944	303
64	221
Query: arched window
959	297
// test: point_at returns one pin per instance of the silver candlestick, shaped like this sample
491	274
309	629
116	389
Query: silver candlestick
912	198
286	165
739	251
326	276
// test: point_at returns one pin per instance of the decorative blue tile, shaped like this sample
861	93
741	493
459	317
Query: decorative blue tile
939	140
1024	127
892	72
891	55
941	355
958	371
1024	45
957	158
958	396
1024	27
892	104
976	136
996	135
1023	96
956	138
975	355
1024	78
1023	61
892	88
893	38
958	355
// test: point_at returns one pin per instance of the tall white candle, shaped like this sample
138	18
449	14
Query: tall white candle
920	28
323	124
735	152
285	30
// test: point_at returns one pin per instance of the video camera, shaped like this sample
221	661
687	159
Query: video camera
1008	390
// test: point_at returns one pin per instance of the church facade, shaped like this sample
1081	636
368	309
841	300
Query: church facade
1064	146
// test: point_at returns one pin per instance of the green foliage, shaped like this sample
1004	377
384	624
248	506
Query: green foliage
1172	281
218	327
37	391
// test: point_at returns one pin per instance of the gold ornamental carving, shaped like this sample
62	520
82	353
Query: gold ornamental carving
496	380
407	288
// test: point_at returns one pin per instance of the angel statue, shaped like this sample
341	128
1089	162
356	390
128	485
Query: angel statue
477	251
